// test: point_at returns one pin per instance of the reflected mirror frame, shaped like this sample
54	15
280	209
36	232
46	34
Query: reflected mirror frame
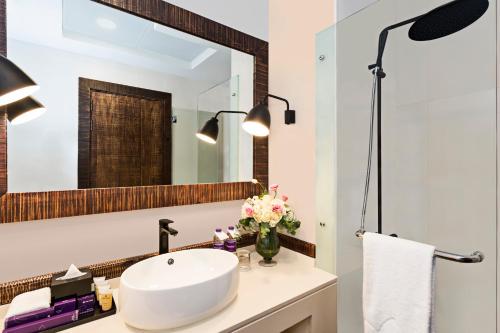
17	207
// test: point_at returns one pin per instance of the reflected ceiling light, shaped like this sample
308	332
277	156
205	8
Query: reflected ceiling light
14	83
258	120
106	23
210	130
24	110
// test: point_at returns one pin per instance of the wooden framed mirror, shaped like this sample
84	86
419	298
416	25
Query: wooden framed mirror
153	21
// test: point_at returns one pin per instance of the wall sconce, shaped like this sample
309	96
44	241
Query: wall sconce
210	130
258	120
14	83
24	110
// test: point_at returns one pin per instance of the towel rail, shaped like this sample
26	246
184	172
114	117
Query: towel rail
475	257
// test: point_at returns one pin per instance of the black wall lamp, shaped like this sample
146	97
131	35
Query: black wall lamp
258	120
210	130
14	83
15	87
24	110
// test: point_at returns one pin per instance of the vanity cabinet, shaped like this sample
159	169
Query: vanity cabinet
315	313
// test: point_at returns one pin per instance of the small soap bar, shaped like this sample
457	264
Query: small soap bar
44	324
65	306
85	313
86	304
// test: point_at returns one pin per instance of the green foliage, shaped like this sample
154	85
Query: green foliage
264	229
290	225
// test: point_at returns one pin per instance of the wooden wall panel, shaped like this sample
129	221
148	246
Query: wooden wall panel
16	207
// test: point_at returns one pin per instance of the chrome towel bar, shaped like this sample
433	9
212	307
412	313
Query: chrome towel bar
475	257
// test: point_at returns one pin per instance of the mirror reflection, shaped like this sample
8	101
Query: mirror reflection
124	98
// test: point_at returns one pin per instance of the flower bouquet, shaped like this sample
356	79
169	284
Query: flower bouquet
265	214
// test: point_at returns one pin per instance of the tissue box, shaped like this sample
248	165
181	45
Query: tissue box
75	287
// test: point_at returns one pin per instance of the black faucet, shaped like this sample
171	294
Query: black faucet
165	231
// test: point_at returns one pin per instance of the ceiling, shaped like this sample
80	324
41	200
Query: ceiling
85	27
248	16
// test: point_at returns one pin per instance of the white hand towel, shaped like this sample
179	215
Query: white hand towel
30	301
398	285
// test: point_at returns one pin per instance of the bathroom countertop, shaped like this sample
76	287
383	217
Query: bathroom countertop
262	290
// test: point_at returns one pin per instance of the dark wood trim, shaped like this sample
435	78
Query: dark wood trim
3	114
85	89
115	268
298	245
17	207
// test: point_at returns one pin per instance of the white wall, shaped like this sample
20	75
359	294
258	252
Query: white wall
33	248
51	161
345	8
248	16
292	75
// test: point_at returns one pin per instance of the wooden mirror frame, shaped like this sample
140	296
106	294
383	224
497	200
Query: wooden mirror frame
19	207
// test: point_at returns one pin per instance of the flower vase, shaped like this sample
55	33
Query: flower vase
268	247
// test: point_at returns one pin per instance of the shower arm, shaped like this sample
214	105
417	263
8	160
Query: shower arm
382	40
379	73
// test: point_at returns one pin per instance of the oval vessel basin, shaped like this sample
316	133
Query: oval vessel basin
178	288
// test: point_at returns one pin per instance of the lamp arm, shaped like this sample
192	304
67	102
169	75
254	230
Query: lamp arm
217	114
279	98
382	40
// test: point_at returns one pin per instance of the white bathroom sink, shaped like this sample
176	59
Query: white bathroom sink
157	295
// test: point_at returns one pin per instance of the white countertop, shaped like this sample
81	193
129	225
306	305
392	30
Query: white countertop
262	290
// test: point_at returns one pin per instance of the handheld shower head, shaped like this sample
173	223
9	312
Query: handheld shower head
447	19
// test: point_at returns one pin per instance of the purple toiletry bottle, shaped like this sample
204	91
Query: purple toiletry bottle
218	242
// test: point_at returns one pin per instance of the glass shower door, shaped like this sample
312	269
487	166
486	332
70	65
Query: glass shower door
439	129
220	162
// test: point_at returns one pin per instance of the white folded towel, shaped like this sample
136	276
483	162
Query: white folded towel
30	301
398	283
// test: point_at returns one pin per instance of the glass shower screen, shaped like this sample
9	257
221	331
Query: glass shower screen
439	153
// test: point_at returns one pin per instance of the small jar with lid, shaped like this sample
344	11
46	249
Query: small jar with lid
230	245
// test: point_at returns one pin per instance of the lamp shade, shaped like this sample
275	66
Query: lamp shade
24	110
14	83
209	131
258	121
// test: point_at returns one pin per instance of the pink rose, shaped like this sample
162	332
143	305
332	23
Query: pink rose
274	187
284	198
277	209
249	211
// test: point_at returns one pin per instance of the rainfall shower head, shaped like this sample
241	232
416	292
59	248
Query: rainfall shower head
447	19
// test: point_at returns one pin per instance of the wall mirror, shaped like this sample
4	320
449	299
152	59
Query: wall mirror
125	97
126	85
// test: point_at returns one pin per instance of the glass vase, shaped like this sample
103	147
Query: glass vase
268	247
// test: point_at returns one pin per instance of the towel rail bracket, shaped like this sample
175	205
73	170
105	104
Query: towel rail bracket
475	257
